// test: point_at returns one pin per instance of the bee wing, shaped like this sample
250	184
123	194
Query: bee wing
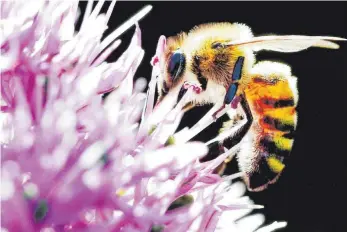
288	43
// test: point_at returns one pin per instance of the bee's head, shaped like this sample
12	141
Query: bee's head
202	57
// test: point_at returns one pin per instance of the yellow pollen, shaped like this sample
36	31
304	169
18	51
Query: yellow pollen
121	192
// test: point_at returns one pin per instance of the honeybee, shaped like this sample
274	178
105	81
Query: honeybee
218	60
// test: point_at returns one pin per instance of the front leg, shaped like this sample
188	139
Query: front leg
196	87
188	85
235	129
225	107
230	97
183	102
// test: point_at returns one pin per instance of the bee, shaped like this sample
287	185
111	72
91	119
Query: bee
218	61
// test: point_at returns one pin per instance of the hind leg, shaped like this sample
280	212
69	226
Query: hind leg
233	131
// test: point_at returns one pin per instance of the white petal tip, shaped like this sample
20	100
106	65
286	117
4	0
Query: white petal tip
257	206
143	12
272	227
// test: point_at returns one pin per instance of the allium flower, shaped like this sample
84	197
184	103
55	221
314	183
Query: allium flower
71	161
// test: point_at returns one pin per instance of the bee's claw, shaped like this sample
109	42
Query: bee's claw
215	114
196	88
235	102
233	105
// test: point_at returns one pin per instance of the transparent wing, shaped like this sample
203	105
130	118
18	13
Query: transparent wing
288	43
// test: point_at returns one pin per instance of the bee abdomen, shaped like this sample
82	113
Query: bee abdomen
272	96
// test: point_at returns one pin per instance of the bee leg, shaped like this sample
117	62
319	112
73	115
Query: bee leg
237	136
196	87
215	149
235	102
218	113
230	97
220	169
188	85
226	106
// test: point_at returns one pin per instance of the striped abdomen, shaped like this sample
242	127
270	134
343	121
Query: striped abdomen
272	98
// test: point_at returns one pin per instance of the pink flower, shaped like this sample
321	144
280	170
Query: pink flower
72	161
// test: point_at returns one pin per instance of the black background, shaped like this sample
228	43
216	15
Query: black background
311	194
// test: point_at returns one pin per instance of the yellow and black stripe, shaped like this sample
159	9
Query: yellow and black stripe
272	103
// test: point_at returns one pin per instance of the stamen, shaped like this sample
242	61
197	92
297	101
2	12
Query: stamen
149	103
110	9
256	207
150	94
87	13
233	176
170	117
103	56
170	121
97	9
207	120
243	206
217	161
125	26
227	133
272	227
164	108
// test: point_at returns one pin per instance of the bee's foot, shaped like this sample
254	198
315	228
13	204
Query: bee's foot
196	88
215	115
235	102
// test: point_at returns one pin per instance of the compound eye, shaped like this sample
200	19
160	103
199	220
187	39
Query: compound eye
217	45
176	65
